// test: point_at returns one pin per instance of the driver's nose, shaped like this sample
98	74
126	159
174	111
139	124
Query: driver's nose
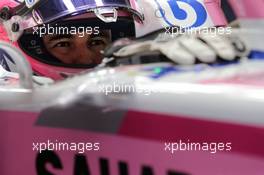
83	55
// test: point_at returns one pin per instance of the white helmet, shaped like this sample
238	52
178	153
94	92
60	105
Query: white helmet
184	13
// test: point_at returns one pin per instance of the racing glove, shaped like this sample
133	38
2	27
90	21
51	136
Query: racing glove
184	49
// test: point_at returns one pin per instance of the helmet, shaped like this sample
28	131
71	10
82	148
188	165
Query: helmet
184	13
24	23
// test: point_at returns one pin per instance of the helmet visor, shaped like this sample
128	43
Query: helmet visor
49	11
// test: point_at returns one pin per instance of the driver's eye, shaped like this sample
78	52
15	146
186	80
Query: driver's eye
96	41
62	44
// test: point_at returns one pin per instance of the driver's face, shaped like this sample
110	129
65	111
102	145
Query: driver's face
74	49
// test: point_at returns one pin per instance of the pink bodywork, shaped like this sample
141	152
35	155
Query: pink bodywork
214	9
248	8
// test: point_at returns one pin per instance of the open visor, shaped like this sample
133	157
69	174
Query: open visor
52	43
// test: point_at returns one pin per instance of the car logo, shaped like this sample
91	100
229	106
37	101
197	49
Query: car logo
186	13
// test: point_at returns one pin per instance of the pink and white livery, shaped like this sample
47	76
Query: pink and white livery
183	13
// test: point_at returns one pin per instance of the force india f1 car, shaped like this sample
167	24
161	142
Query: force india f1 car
150	119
